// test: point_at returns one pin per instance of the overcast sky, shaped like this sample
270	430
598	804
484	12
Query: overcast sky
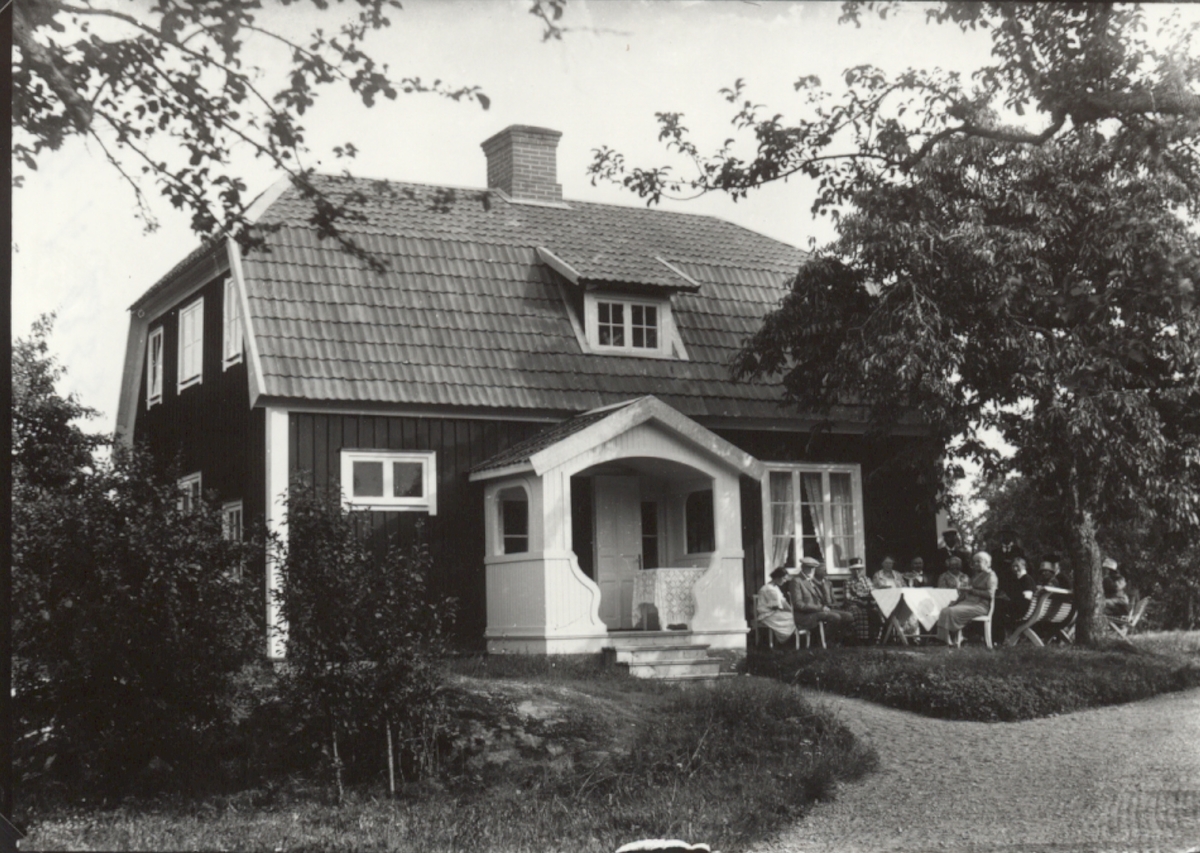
79	251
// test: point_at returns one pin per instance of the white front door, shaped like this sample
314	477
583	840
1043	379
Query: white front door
618	546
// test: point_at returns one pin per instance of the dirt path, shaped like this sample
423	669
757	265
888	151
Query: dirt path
1123	778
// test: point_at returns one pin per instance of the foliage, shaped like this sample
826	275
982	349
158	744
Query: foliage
1068	68
168	93
978	684
364	635
49	449
1158	562
728	766
129	615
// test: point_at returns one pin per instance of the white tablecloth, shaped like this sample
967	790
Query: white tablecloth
670	590
926	603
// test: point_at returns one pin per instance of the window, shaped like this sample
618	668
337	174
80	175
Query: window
699	521
154	368
231	521
813	511
627	325
191	344
189	486
390	479
514	520
649	534
232	325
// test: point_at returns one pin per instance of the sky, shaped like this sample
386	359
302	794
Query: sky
79	251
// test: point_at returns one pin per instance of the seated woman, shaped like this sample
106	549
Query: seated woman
860	603
975	600
1051	574
954	577
888	578
1022	597
772	610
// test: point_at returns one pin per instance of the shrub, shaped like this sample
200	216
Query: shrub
976	684
364	637
130	617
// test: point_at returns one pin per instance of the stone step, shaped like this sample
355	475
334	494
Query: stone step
676	668
656	653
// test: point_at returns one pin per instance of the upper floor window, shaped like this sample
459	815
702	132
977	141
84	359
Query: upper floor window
189	488
154	368
813	511
390	479
630	326
191	344
232	336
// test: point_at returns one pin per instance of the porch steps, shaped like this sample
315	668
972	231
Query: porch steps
682	662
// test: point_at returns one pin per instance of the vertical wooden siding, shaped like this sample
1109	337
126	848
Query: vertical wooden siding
455	535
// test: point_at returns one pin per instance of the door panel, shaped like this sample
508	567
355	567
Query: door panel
618	546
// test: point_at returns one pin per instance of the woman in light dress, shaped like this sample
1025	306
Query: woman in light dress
975	600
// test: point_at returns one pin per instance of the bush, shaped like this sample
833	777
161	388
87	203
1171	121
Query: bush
130	617
975	684
364	638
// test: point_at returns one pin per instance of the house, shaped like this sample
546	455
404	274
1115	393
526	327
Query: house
543	382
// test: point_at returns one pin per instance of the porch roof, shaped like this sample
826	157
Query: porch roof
564	440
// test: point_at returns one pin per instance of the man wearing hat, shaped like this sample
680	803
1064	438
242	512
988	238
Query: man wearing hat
1116	598
812	600
772	609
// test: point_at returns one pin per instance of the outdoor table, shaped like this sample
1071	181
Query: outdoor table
926	603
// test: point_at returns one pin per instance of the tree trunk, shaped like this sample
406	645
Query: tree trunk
337	766
391	761
1090	623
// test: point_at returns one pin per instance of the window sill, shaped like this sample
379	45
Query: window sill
189	383
230	362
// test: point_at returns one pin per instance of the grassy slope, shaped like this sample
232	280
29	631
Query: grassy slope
1003	685
603	760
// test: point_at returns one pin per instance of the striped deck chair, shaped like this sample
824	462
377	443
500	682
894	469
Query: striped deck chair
1060	621
1038	607
1124	625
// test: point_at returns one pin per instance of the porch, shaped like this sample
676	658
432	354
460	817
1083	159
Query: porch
623	518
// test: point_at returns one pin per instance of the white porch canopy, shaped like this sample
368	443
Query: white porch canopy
663	509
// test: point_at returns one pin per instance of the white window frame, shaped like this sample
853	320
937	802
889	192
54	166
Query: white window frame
426	503
230	510
154	368
187	378
231	339
192	487
666	336
501	533
796	469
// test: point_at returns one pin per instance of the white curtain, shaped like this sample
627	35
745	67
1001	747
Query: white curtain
841	495
812	494
783	517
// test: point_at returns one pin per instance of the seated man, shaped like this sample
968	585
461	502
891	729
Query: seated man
773	610
1116	599
812	600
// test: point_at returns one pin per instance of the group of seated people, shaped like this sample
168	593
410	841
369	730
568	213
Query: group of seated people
802	597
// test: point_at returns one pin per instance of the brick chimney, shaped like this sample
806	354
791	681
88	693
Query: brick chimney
521	161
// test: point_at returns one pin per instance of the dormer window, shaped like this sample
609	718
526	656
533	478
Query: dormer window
639	326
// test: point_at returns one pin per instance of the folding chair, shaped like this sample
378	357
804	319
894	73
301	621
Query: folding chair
1124	625
1036	612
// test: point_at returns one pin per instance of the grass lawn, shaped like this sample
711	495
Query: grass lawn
1006	684
599	760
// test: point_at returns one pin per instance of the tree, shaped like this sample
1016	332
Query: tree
166	93
130	613
364	634
1038	282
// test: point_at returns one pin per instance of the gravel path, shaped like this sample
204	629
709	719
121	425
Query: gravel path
1122	778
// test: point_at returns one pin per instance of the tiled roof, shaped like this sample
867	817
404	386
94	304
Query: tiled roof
521	452
467	314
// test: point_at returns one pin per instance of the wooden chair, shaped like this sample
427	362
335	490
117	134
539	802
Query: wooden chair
794	638
1124	625
986	619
